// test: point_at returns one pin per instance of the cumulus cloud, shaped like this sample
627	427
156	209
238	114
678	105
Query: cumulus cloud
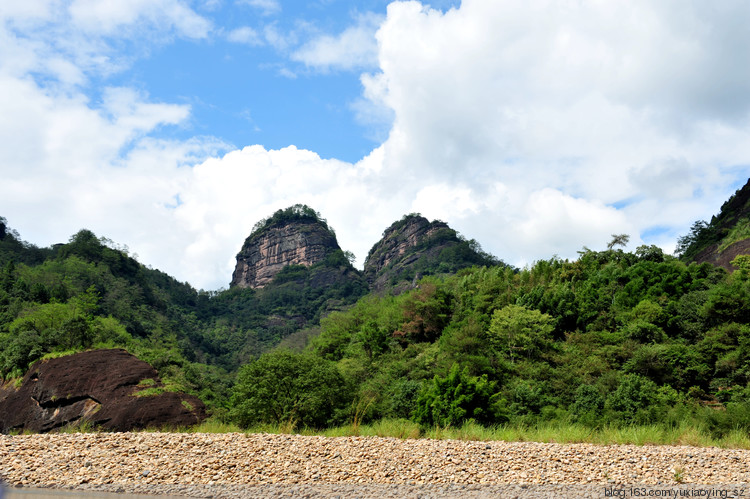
535	127
69	162
598	103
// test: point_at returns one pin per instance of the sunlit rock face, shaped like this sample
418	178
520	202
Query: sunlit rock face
293	243
403	244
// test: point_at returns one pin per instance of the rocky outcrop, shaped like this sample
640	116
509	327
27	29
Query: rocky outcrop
413	247
110	389
293	242
725	237
724	258
398	241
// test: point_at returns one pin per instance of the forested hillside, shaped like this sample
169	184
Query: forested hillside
89	293
612	338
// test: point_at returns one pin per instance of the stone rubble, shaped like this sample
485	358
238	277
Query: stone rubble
264	465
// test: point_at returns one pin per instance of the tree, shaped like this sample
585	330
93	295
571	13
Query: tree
351	257
699	231
742	262
283	387
519	331
618	240
457	398
632	398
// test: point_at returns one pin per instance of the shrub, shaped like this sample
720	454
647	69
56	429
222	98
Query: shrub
457	398
283	387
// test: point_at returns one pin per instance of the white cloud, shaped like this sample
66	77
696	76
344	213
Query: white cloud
110	17
278	39
246	35
535	127
224	197
596	103
354	48
66	169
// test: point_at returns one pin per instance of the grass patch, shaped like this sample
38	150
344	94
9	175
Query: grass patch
739	232
147	382
149	392
214	426
551	432
63	353
79	426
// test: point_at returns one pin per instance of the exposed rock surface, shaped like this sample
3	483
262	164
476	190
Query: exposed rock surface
734	213
97	386
265	253
414	246
724	258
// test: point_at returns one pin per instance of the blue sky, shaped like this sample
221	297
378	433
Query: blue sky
254	92
536	127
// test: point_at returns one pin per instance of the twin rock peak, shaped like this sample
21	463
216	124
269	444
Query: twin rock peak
298	235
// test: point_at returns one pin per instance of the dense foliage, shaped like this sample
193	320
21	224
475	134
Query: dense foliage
89	293
282	387
612	338
295	213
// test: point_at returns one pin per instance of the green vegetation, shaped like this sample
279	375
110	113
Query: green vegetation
90	293
444	251
614	347
295	213
613	341
732	224
554	432
149	392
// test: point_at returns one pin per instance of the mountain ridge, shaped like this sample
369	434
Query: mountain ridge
722	239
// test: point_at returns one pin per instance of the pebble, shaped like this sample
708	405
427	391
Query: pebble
262	465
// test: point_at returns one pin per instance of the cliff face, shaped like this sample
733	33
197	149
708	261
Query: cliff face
398	243
413	247
265	253
280	248
726	236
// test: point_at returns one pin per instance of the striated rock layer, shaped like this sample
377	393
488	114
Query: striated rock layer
409	247
399	239
293	243
98	386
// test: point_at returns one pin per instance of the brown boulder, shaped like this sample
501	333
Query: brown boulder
98	386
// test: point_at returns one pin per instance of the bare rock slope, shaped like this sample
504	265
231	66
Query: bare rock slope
98	386
267	251
726	236
413	247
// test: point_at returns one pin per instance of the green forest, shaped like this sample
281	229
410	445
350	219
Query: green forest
612	338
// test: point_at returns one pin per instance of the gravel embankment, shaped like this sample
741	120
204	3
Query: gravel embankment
261	465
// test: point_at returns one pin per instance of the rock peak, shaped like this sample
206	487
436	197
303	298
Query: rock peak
297	235
414	247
